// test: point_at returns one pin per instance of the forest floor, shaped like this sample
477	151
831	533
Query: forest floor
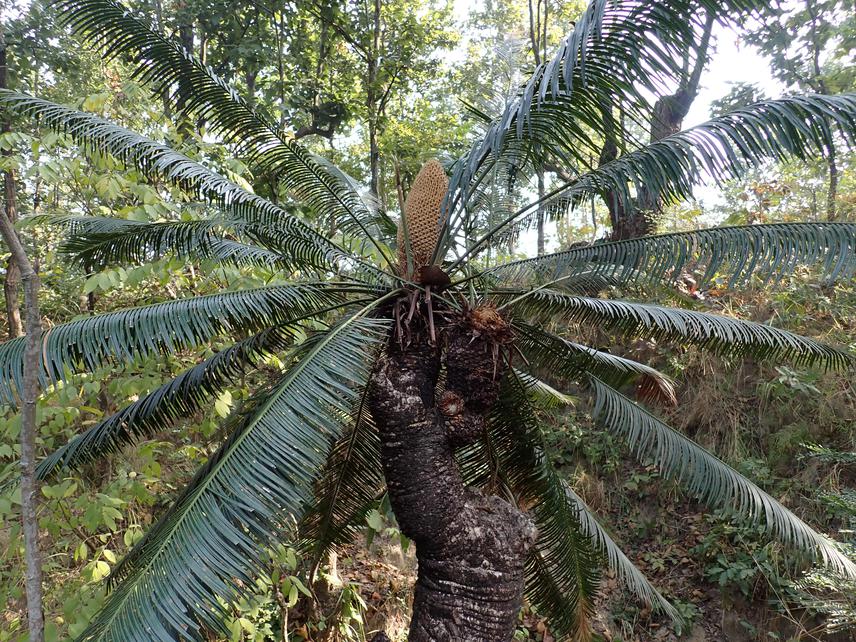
385	575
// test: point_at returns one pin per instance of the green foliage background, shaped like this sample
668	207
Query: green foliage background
769	430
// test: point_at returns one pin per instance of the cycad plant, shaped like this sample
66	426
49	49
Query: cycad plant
425	378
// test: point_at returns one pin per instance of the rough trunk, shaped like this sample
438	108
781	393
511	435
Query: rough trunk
470	547
13	274
12	282
639	218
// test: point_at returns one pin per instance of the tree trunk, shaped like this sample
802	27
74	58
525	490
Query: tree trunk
399	185
372	100
184	127
12	281
541	213
538	41
470	547
621	218
29	485
632	220
832	192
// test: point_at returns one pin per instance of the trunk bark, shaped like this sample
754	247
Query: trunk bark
633	220
12	282
470	547
29	485
20	266
832	192
372	97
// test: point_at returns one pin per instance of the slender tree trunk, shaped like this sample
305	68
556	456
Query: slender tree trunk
832	191
374	158
12	281
372	100
470	547
20	266
399	186
541	213
184	127
538	41
29	485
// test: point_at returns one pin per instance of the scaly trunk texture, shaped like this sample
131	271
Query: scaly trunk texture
470	547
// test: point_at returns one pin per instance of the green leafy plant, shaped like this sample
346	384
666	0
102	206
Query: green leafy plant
317	442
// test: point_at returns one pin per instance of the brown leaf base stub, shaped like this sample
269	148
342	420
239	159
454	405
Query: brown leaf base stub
471	547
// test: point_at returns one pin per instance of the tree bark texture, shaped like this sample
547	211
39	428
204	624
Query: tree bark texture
372	95
639	218
29	486
12	282
470	547
832	191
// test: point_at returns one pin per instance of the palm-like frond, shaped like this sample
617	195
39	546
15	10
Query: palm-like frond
173	72
295	239
721	149
706	476
87	343
569	361
194	89
99	241
619	54
734	253
624	569
724	148
349	486
185	395
563	568
542	392
615	51
714	333
211	542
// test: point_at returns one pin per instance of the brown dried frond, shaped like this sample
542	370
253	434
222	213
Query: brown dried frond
656	389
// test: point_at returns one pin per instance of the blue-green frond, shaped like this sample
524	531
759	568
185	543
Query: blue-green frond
770	251
181	397
294	238
96	242
194	89
565	360
197	559
349	486
624	569
712	332
122	336
707	477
